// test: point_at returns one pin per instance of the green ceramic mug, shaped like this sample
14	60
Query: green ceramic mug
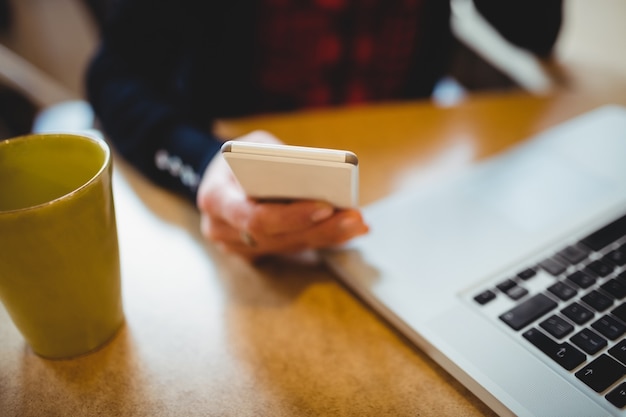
59	257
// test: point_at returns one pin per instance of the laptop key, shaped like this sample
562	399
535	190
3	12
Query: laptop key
564	354
562	290
528	311
617	397
609	327
557	326
589	341
616	288
597	301
603	372
527	274
601	269
577	313
617	256
620	312
582	279
517	292
484	297
553	265
619	351
607	235
506	285
574	254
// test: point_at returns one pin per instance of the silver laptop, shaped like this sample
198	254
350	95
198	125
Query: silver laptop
512	274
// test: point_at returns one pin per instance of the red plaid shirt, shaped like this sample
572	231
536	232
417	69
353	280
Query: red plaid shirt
316	53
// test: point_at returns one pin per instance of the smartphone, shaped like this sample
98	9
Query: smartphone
286	172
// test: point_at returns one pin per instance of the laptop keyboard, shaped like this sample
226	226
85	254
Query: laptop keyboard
578	319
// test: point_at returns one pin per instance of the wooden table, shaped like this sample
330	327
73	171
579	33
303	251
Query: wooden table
209	335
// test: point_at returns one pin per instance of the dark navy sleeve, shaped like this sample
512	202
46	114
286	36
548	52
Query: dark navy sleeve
131	84
530	25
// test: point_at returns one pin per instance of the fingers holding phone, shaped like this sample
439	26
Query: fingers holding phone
263	233
289	210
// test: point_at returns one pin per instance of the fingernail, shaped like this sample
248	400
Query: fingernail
322	213
349	223
354	226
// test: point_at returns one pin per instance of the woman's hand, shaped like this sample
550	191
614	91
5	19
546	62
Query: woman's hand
256	229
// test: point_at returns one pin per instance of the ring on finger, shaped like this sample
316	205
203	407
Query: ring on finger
247	239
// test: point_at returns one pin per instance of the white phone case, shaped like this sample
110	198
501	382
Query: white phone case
272	171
